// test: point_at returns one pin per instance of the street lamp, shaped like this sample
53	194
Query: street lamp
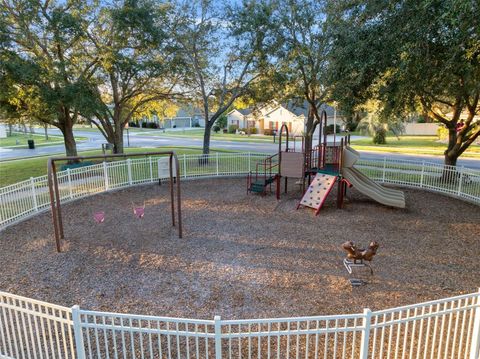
128	135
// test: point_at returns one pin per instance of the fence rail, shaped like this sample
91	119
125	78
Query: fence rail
446	328
24	199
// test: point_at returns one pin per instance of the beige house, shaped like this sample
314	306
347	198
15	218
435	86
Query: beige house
273	115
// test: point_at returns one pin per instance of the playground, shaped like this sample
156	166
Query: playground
241	256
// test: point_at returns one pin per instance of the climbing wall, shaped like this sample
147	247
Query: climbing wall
318	191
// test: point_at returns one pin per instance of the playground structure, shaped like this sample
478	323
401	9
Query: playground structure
295	162
99	216
325	165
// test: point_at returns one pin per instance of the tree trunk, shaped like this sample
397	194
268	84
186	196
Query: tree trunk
452	151
118	139
45	126
206	137
69	141
451	159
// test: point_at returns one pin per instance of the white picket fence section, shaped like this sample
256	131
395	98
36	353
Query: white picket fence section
26	198
446	328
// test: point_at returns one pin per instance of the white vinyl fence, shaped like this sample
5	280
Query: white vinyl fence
26	198
446	328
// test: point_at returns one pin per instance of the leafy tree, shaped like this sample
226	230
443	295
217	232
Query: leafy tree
378	126
136	66
408	55
222	121
302	53
43	68
224	50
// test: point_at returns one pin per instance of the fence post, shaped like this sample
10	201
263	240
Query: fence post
129	169
184	165
460	180
77	332
475	346
105	175
69	176
216	159
34	194
151	168
423	173
249	161
384	168
218	337
364	346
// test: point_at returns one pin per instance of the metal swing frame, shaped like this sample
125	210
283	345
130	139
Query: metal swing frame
55	199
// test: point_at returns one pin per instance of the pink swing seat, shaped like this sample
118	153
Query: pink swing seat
139	211
99	217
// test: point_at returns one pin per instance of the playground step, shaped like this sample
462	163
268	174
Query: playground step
259	186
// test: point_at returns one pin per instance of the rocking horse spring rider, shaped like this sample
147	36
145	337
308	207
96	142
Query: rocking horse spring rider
357	257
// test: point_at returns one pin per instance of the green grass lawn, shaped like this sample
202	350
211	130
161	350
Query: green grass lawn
198	133
18	139
87	128
421	145
19	170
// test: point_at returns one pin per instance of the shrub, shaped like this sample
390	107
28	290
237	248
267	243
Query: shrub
442	133
253	130
133	124
232	128
216	128
330	129
268	132
222	121
151	125
380	137
196	124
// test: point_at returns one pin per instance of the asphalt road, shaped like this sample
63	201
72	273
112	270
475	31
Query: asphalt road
137	139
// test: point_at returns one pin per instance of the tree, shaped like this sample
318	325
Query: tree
43	69
136	69
378	126
224	49
412	54
302	52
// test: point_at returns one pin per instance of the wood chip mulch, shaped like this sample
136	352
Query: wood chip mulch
242	256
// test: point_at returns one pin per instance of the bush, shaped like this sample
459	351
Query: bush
196	124
216	128
380	137
232	128
253	130
330	129
151	125
268	132
442	133
222	121
132	124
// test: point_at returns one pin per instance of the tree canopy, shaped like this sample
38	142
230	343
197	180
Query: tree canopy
411	56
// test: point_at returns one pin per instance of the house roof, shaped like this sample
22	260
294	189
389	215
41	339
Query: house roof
301	108
245	111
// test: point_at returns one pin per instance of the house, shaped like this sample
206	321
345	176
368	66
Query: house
187	116
273	115
3	131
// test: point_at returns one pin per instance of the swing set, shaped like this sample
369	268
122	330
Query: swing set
99	216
